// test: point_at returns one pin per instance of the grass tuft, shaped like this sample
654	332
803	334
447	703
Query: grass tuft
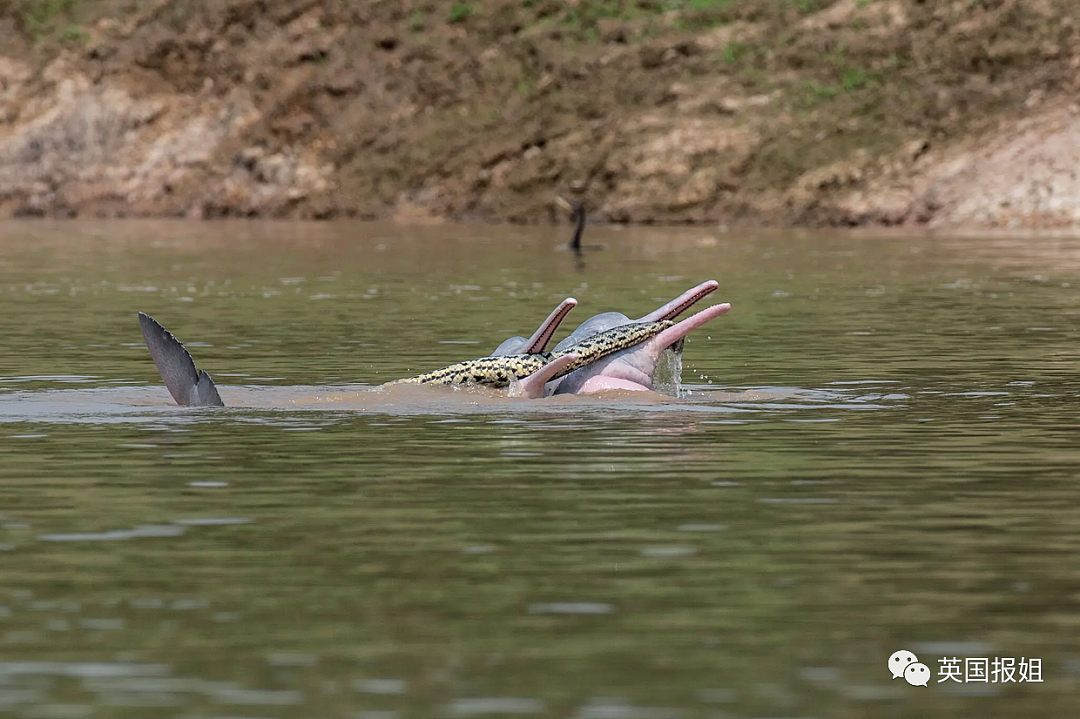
460	12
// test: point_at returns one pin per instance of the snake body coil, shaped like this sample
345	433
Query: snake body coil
501	371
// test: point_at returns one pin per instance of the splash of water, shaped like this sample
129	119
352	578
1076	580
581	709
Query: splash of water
667	379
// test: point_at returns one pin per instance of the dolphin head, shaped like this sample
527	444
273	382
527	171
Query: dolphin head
634	367
607	320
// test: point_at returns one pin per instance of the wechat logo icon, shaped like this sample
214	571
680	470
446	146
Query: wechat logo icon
905	664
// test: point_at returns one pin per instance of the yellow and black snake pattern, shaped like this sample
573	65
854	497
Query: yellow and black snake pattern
501	371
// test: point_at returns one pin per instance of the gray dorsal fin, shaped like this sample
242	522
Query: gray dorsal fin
190	387
206	394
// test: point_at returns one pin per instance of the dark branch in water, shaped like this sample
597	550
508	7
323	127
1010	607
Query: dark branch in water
578	215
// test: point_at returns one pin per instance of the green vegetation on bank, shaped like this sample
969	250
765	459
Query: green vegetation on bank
46	18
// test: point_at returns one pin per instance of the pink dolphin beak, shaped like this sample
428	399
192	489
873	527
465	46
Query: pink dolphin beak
681	303
540	338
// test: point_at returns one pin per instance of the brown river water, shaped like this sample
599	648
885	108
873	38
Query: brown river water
875	450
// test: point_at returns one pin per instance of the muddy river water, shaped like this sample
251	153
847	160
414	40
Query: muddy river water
876	450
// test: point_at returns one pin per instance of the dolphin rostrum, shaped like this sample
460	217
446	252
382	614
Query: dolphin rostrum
539	340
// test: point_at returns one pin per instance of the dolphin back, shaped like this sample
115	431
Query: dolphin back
189	386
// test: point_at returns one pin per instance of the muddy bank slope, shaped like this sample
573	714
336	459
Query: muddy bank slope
778	112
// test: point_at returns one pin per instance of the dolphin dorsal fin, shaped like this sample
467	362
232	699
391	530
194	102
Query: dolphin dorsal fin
189	386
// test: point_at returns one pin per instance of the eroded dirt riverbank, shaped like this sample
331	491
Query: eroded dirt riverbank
776	112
